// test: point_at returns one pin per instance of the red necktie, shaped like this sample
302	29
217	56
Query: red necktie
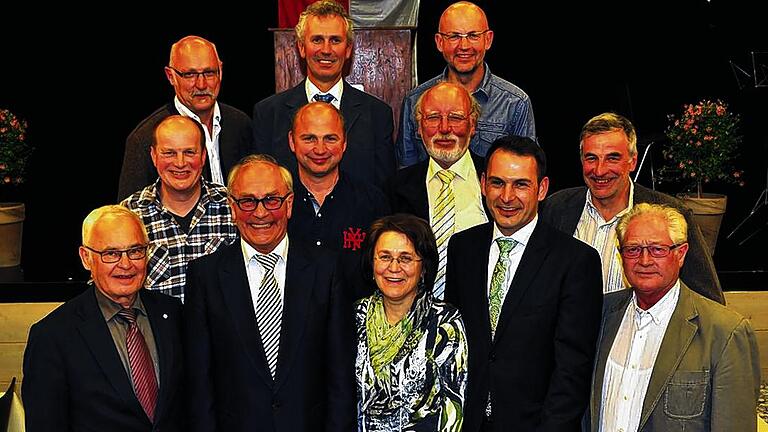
142	369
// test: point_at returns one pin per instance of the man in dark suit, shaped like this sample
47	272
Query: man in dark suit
530	297
111	358
669	358
324	38
195	71
444	189
269	333
608	155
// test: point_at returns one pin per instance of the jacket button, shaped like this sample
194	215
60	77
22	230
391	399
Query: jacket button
275	405
491	357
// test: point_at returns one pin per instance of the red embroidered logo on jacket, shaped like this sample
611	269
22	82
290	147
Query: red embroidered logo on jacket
353	238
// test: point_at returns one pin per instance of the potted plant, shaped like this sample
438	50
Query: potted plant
14	154
701	148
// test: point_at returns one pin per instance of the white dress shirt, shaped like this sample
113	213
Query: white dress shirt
522	237
336	91
466	191
256	272
211	140
630	363
593	230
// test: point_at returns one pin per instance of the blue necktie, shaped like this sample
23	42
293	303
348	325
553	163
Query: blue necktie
327	98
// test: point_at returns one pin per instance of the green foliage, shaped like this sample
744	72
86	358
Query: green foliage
14	151
702	145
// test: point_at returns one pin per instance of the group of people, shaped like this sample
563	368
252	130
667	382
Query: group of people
325	289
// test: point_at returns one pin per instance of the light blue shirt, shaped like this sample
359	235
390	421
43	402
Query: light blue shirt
505	110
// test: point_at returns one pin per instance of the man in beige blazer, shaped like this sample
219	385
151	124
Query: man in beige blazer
668	358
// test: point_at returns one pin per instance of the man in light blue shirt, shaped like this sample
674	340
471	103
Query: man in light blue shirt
463	38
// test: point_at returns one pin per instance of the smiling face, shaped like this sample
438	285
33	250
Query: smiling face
317	139
199	94
447	141
325	48
511	189
651	277
397	282
261	228
178	155
606	164
118	281
464	57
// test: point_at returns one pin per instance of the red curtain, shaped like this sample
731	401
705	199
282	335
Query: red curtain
288	11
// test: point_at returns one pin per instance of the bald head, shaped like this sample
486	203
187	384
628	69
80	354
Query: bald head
192	46
465	12
179	126
194	70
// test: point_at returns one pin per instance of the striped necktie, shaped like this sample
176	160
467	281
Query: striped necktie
269	310
140	362
443	225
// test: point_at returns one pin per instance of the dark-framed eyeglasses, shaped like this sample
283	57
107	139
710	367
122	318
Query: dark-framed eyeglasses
111	256
656	251
472	36
434	119
270	202
208	74
402	260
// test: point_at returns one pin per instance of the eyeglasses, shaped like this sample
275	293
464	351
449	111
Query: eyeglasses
113	255
656	251
454	120
270	202
208	74
402	260
472	36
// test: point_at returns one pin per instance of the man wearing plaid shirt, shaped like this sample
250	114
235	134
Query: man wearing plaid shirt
185	215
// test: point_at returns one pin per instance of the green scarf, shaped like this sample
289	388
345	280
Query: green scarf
384	340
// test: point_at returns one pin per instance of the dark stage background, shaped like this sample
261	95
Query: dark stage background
84	84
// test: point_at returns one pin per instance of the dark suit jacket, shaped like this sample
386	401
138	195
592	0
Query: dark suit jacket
138	171
707	373
407	189
231	388
563	210
537	368
370	153
74	379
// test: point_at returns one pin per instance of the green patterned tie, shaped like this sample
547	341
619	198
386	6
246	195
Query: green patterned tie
497	280
443	225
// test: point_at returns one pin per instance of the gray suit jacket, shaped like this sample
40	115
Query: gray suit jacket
563	210
707	373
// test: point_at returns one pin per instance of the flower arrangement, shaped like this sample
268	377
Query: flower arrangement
14	151
702	144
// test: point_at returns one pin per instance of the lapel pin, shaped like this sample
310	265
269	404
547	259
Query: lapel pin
165	316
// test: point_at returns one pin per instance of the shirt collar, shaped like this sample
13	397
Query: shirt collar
462	167
109	308
523	235
311	90
662	309
595	214
483	90
186	112
281	249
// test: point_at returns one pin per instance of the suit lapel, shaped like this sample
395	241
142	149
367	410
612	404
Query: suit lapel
535	252
299	281
163	335
350	105
612	318
415	190
478	268
233	282
680	332
97	337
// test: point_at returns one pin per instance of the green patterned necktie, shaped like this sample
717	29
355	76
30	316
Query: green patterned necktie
497	280
443	225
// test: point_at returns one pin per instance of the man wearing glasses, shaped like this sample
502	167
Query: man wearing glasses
195	72
444	189
608	148
463	38
186	216
111	358
668	358
269	333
